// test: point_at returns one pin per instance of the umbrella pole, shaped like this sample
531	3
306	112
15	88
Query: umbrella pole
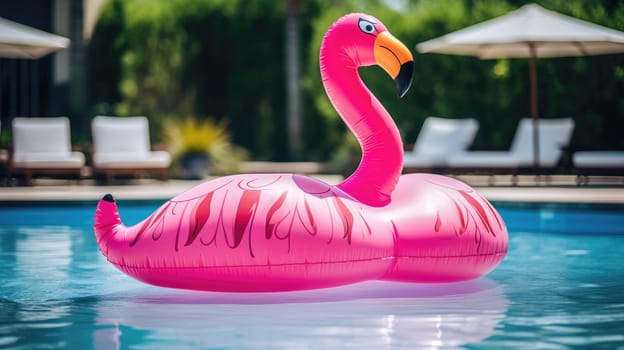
534	110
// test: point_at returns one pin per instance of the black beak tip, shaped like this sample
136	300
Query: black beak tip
403	81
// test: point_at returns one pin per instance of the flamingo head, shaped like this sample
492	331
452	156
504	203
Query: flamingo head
367	42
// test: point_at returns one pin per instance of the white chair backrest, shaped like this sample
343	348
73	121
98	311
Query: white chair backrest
553	135
120	134
442	136
41	135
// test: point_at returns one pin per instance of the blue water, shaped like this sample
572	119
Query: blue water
561	286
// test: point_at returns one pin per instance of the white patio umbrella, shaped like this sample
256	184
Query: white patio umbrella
20	41
529	32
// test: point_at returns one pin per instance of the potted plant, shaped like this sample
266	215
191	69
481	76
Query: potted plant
193	142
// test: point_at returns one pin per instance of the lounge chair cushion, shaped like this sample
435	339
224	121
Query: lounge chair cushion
485	159
411	160
120	134
44	143
438	139
123	142
598	159
553	134
154	159
49	160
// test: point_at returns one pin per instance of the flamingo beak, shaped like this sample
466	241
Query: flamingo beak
396	59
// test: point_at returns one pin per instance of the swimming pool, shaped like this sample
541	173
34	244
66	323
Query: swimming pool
561	286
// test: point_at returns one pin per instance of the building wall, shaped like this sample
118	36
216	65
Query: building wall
54	84
27	86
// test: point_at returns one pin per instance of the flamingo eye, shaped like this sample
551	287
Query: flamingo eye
366	26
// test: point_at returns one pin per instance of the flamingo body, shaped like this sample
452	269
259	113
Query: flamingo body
278	232
275	232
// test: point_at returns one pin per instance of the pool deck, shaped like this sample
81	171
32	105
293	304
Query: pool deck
555	190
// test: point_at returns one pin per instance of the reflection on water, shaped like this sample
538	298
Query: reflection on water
372	315
58	291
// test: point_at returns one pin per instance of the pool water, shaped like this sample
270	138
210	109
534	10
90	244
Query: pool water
561	286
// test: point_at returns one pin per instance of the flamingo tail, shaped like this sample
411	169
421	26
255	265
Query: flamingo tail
107	220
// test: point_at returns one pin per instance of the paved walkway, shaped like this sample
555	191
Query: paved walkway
557	190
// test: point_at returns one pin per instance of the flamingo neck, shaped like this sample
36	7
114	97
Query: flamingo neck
381	165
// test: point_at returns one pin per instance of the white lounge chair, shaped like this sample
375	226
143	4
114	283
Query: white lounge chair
121	145
597	163
438	139
43	146
554	135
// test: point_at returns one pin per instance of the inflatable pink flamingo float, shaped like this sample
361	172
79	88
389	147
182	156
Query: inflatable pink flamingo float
280	232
